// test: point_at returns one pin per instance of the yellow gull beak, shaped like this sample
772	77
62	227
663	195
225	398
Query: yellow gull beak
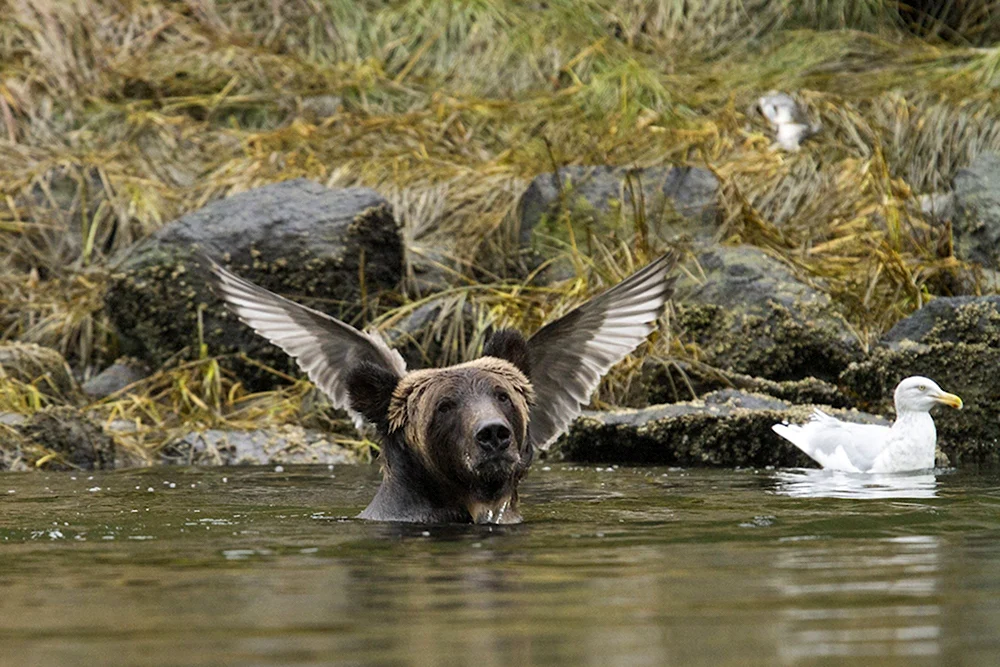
950	400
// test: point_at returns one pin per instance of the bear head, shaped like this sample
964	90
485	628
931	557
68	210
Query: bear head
456	436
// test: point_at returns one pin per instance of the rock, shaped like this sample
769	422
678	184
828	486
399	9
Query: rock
286	444
12	419
750	315
296	238
42	367
961	319
977	204
11	454
599	202
725	428
117	376
682	381
76	440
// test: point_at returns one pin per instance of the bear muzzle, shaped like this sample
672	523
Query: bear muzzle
493	435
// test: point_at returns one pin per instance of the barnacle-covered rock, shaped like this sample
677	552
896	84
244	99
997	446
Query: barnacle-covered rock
328	248
749	314
725	428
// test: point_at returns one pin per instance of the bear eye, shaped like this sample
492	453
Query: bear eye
445	406
503	397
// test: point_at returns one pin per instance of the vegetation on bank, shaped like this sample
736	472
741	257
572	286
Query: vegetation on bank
117	116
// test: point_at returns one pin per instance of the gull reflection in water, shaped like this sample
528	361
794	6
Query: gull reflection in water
813	483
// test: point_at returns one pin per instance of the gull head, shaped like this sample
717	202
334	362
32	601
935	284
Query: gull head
920	394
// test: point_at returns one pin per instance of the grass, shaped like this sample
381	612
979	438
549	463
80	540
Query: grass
117	116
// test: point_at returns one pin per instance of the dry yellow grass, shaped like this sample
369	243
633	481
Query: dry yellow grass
118	116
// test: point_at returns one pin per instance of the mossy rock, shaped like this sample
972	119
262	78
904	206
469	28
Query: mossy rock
683	381
74	439
749	314
42	367
963	319
726	429
328	249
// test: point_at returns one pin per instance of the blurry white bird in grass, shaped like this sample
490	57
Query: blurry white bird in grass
788	119
905	446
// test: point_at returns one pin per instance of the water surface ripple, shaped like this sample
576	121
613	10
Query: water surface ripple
625	566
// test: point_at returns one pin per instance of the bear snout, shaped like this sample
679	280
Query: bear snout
493	435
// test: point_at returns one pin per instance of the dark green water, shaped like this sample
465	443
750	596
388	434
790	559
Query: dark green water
636	566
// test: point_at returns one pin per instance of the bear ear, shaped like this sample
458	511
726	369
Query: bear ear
369	390
509	345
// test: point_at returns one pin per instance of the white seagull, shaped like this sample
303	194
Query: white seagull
905	446
787	118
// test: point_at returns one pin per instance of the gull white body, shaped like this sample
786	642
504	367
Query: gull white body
909	444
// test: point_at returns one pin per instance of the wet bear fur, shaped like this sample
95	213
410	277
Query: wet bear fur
454	440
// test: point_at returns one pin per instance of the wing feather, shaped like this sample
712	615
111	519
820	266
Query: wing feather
324	347
568	357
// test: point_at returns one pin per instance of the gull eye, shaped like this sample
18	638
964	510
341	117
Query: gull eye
922	387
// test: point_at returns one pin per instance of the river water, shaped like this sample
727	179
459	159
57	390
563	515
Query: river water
625	566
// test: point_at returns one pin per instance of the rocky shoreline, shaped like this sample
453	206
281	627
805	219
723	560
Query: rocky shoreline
765	343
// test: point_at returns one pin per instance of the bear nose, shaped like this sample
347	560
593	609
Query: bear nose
493	435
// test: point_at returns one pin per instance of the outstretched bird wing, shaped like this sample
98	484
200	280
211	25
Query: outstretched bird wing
568	357
325	348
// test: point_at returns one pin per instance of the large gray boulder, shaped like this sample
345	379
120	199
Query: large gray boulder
977	204
725	428
577	204
956	343
749	314
298	238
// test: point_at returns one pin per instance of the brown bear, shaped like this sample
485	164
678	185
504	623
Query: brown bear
456	441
